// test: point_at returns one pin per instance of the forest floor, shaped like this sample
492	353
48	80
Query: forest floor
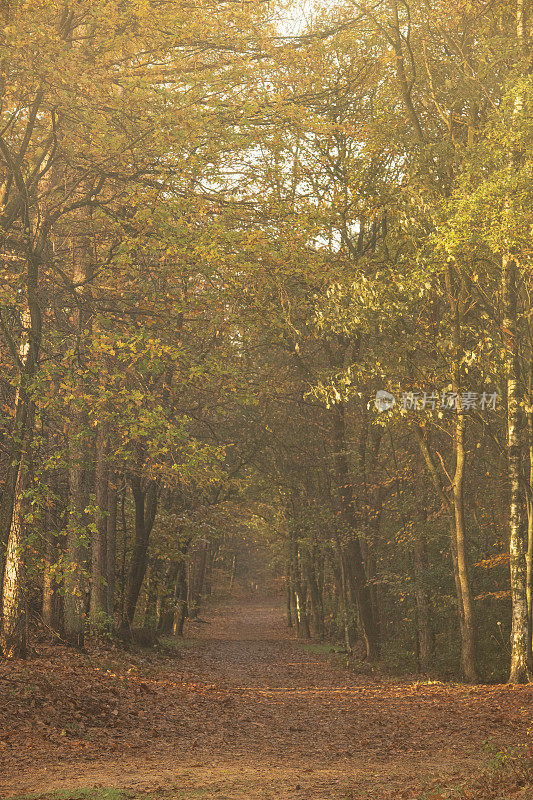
242	711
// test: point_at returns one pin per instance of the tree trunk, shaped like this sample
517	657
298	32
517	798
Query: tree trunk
233	572
288	596
359	584
294	600
529	557
520	654
317	608
459	550
48	581
98	606
145	511
468	651
521	669
77	545
14	636
181	598
152	591
425	632
166	606
52	599
200	576
111	538
123	575
348	619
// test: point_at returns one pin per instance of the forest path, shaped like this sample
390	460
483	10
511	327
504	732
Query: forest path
248	712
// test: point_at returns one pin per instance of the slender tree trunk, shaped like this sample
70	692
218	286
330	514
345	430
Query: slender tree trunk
124	553
521	668
77	544
451	507
200	575
425	632
520	653
299	586
181	597
78	540
288	593
353	551
52	599
145	511
301	604
48	581
348	623
294	600
458	529
98	606
28	358
529	557
111	539
305	606
152	591
167	598
14	633
468	650
191	610
51	608
317	608
233	572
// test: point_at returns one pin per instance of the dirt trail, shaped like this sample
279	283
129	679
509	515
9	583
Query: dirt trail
247	712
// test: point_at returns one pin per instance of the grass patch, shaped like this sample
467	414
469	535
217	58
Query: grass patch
172	793
317	647
508	776
80	794
339	656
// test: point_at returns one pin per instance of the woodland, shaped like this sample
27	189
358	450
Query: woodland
266	327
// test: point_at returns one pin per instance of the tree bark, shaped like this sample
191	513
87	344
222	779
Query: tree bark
520	653
77	545
200	575
468	650
98	605
521	668
166	606
529	556
14	633
151	585
111	540
458	529
145	512
52	599
181	600
288	592
358	578
425	632
467	633
233	572
317	607
348	618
